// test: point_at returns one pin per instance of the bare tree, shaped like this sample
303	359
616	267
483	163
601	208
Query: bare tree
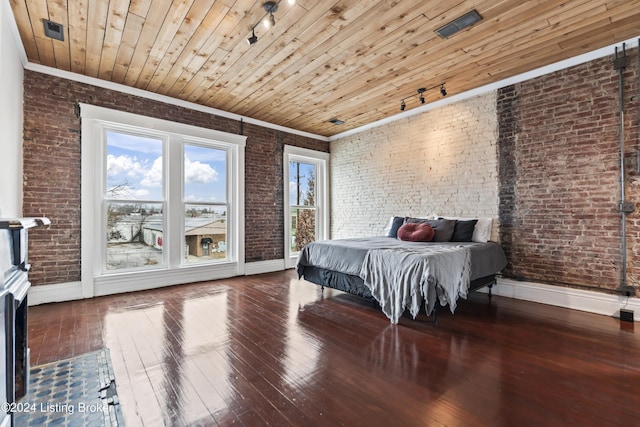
306	217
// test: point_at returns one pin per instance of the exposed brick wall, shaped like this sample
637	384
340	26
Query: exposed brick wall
264	198
559	176
442	161
52	171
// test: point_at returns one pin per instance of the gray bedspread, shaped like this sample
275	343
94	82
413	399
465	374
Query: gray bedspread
404	274
402	279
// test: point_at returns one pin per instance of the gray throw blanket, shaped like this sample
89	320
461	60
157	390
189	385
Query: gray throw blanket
401	279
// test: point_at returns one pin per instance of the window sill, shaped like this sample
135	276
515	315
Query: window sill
150	279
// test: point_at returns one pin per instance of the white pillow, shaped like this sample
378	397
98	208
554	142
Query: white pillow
482	230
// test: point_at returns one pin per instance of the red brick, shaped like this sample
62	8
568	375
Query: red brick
52	171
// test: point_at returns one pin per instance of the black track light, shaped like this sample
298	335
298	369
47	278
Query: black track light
270	7
420	93
251	40
269	20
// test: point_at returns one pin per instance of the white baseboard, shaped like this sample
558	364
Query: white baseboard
44	294
59	292
259	267
576	299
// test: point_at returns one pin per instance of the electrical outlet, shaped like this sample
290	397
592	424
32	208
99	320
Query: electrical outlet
627	207
626	315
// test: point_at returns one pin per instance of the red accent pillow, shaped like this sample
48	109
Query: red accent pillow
416	232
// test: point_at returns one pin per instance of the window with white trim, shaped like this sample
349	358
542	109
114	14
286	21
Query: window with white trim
306	199
159	196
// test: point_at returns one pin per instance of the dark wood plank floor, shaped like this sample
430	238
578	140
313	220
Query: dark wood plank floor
273	350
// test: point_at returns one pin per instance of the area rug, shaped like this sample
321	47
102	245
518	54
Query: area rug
80	391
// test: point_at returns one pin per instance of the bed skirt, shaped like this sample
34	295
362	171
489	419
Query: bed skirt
355	285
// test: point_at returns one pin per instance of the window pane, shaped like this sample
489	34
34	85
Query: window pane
134	235
205	233
205	174
303	227
134	167
302	184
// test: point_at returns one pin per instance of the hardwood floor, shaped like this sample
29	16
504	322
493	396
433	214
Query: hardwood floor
274	350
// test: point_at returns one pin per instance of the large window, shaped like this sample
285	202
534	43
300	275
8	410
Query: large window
306	199
133	201
166	206
205	204
302	204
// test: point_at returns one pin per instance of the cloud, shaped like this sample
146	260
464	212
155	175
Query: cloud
132	168
125	164
123	168
198	173
153	176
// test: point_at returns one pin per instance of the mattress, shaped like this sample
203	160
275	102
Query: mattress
402	275
347	255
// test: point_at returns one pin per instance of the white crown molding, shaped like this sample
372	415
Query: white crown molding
561	65
580	59
162	98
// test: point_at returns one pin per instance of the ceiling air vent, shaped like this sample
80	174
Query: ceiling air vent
466	20
53	30
336	121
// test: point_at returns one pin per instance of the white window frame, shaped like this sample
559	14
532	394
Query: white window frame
321	161
207	144
95	279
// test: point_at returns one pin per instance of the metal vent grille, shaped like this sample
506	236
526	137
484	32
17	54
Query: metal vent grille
466	20
53	30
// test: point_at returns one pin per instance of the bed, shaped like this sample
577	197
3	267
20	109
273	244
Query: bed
400	274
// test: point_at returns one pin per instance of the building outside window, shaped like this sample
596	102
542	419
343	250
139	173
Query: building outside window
168	197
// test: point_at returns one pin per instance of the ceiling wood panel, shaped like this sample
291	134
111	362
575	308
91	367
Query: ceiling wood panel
130	35
114	31
350	59
77	35
96	28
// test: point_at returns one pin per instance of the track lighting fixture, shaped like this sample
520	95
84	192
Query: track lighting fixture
420	93
270	7
253	37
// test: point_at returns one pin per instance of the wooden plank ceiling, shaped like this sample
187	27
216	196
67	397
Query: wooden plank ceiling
350	59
